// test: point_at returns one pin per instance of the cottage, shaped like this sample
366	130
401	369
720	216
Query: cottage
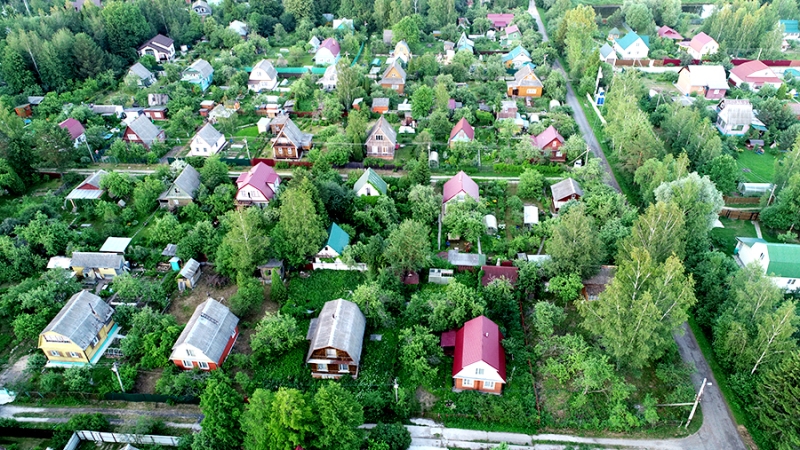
182	190
276	124
89	189
264	77
338	239
607	54
462	132
394	78
239	27
265	270
734	116
336	338
142	75
551	141
156	112
370	184
208	337
791	31
500	21
142	131
108	110
632	46
524	84
380	105
76	131
157	99
756	74
594	286
564	191
200	73
491	273
464	43
328	53
511	37
516	58
614	34
208	141
258	186
780	262
80	333
116	245
702	45
381	140
508	110
201	8
96	265
189	275
24	110
666	32
160	47
290	143
458	188
402	52
708	81
329	79
479	362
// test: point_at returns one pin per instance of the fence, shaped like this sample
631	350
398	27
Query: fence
361	267
740	200
151	398
98	436
739	214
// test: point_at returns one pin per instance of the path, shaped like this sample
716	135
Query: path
183	416
758	228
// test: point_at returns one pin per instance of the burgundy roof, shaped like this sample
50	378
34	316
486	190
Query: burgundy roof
479	340
500	20
331	45
461	182
159	40
463	125
260	177
547	137
448	339
669	33
699	40
745	72
490	273
74	127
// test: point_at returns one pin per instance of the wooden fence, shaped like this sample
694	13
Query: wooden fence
741	200
739	214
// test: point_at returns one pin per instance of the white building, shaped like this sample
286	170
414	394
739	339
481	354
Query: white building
781	262
208	141
632	46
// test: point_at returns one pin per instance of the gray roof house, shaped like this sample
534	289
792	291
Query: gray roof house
337	337
607	54
81	318
735	116
142	131
183	189
564	191
208	337
98	265
144	76
201	8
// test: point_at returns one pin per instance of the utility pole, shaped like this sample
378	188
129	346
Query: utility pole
396	386
115	369
91	155
696	402
247	147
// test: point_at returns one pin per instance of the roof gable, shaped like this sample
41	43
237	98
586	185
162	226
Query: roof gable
371	177
464	126
547	136
74	128
144	129
259	177
784	260
188	181
209	329
628	40
338	239
331	45
385	128
461	182
265	67
340	325
700	40
80	319
566	188
202	67
480	340
209	134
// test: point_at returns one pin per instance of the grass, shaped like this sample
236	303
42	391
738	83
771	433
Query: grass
762	167
733	228
247	132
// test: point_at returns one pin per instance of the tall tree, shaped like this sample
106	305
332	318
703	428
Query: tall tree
300	231
425	203
222	408
575	33
409	246
15	71
245	243
654	172
125	27
464	219
776	405
574	245
660	231
89	58
340	415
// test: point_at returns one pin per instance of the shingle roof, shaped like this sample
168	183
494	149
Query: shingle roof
267	67
464	126
189	269
77	322
386	128
369	176
97	260
160	41
338	239
460	182
145	129
74	128
565	188
202	67
479	340
340	325
140	71
627	40
294	134
209	134
209	329
260	177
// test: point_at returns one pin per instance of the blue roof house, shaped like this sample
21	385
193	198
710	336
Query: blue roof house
791	31
338	239
465	43
200	73
516	58
632	46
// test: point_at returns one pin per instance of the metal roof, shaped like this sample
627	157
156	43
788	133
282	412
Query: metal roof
457	258
340	325
209	329
627	40
185	186
97	260
209	134
463	125
369	176
190	268
170	250
565	188
385	128
81	318
547	136
784	260
712	76
267	67
461	182
140	71
295	135
89	194
479	340
59	262
145	130
115	245
202	67
491	273
338	239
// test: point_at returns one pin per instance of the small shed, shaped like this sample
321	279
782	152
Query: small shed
754	189
115	245
263	125
530	215
433	160
754	143
175	263
266	270
491	223
554	104
170	250
188	276
59	262
24	110
440	276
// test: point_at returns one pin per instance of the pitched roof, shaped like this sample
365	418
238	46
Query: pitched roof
669	33
80	318
512	29
159	41
380	102
331	44
239	27
394	80
294	134
260	177
500	20
115	244
464	126
189	269
460	182
711	76
615	31
546	137
736	111
746	71
74	127
516	51
491	273
200	3
202	67
457	258
522	78
565	188
479	340
606	50
790	26
209	329
338	239
140	71
369	176
267	67
145	129
97	260
209	134
89	194
402	45
340	325
188	181
314	41
699	41
627	40
385	128
784	260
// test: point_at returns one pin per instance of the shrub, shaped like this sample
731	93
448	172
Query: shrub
394	435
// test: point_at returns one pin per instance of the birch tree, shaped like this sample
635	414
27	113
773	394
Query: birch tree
660	230
244	245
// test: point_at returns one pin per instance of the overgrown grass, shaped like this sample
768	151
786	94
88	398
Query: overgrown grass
761	167
247	132
733	229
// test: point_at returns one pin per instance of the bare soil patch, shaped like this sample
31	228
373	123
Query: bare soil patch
247	326
184	304
146	381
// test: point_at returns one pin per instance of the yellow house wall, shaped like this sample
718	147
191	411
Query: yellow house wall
105	272
65	347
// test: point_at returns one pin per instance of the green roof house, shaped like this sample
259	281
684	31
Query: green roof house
516	58
781	262
370	184
338	239
632	46
791	30
614	34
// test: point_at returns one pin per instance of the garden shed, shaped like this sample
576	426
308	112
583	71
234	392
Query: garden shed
530	215
188	276
433	160
754	189
440	276
491	223
263	125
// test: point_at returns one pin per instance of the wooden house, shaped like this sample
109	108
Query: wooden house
524	84
142	131
564	191
380	105
208	337
381	140
551	141
207	142
336	338
394	78
97	265
183	189
200	73
290	142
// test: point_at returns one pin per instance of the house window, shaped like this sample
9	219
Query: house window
95	341
791	282
55	353
280	151
479	371
488	384
378	137
74	355
189	352
330	353
344	368
716	91
322	367
761	257
466	382
187	364
203	364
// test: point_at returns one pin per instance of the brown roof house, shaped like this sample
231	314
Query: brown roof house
160	47
564	191
594	286
142	131
380	105
394	78
381	140
337	337
291	142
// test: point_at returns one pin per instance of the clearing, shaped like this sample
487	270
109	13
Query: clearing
183	305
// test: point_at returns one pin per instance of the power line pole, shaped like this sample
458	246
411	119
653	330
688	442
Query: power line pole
115	369
696	402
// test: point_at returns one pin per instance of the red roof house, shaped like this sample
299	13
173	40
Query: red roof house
458	187
491	273
702	45
666	32
76	131
479	361
756	74
500	21
257	186
550	140
462	132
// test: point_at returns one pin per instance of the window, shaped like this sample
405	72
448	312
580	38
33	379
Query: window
55	353
322	367
791	282
488	384
189	352
761	257
479	371
378	137
466	382
74	354
203	364
95	341
187	364
344	368
132	137
330	352
716	91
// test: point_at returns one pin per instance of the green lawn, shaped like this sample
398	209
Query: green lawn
762	167
251	131
733	229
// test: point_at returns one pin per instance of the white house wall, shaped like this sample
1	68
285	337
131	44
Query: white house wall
249	193
179	354
368	190
489	373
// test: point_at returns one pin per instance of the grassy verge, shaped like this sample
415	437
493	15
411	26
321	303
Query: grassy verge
732	230
761	168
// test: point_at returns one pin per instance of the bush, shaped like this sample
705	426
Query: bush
394	435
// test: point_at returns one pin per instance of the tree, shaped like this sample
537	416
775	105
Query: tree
686	130
724	172
574	246
9	180
89	58
15	71
146	193
245	244
784	213
775	406
257	412
356	126
166	230
214	173
659	230
54	146
639	17
339	415
786	167
280	420
394	436
375	301
125	27
409	246
531	183
441	12
332	110
277	292
407	30
464	219
546	317
222	408
421	102
575	33
348	83
45	236
249	295
425	203
458	304
419	354
566	288
118	184
338	150
276	334
654	172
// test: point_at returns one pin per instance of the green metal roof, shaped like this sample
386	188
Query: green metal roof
337	238
750	241
627	40
516	52
291	69
784	260
369	176
790	26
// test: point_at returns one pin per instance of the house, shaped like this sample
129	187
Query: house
329	79
24	110
277	123
343	24
338	239
108	110
220	111
160	47
239	27
381	140
402	52
208	141
394	78
290	142
144	77
756	74
614	34
516	58
380	105
258	186
208	337
157	99
462	132
707	80
594	286
479	362
189	275
465	43
500	21
89	189
564	191
791	31
264	77
632	46
702	45
96	265
550	140
266	270
76	131
80	333
200	73
524	84
780	262
370	184
328	53
734	116
458	188
607	54
182	190
79	4
201	8
336	338
156	112
511	37
115	245
508	110
491	273
142	131
666	32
